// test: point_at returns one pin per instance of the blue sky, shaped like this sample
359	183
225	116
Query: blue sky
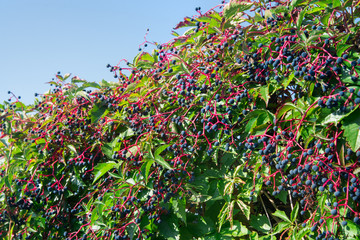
41	37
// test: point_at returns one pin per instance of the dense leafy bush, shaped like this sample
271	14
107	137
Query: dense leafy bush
245	127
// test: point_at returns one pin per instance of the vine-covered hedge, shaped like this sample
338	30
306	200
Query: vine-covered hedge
245	127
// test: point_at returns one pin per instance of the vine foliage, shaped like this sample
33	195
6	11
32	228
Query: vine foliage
244	127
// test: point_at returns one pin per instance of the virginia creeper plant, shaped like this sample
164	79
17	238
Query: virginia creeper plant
245	127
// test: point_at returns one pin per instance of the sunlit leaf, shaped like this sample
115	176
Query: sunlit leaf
260	223
282	215
351	127
103	168
233	7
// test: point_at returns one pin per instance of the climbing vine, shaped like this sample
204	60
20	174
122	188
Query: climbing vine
244	127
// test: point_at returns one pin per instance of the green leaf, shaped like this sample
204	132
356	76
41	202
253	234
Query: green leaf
282	196
91	84
157	158
336	3
131	181
346	77
315	10
168	227
351	126
356	170
280	227
300	18
286	107
144	65
227	159
102	168
233	7
66	76
352	229
72	148
159	150
260	223
131	87
264	91
282	215
179	206
143	58
254	236
280	9
335	117
97	112
321	202
340	147
84	95
145	169
294	212
294	3
5	141
162	162
288	80
58	76
185	69
105	84
175	34
258	121
324	3
126	133
302	233
76	80
255	114
250	125
8	183
199	226
223	213
325	19
239	229
204	19
341	48
115	175
244	208
107	150
76	180
258	17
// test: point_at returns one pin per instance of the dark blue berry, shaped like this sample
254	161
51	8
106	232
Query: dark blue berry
333	212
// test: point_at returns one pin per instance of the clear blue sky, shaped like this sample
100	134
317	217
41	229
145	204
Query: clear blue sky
41	37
